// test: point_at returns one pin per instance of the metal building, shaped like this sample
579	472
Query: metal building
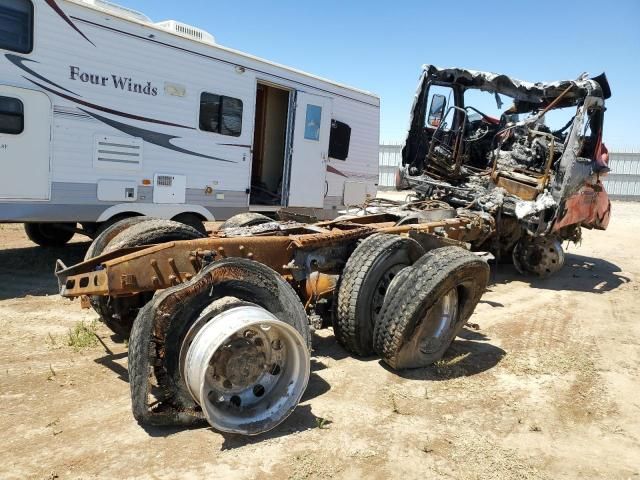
623	182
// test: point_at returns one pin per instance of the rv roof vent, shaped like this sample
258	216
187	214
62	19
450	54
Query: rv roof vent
187	31
119	10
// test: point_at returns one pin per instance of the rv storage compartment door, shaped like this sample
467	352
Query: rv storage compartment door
307	185
25	132
168	188
117	190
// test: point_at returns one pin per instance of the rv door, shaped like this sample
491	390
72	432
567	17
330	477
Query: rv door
308	167
25	132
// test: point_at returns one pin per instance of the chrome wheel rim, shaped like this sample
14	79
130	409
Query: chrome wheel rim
433	331
246	369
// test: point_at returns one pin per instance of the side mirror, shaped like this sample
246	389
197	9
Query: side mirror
436	110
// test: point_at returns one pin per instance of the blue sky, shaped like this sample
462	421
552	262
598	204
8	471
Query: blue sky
380	46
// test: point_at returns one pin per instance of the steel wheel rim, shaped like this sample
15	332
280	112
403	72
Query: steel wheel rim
542	257
246	369
432	332
381	290
444	313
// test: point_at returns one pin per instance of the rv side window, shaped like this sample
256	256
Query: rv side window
339	140
16	25
220	114
11	116
312	122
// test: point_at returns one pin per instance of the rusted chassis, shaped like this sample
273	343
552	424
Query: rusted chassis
200	281
295	253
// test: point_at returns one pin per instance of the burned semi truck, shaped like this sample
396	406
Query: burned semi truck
219	325
533	160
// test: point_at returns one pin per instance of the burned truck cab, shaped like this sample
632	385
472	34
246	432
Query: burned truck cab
529	154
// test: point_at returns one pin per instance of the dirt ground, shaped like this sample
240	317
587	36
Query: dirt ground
548	386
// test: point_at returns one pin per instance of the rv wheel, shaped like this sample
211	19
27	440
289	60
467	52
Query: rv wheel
247	219
427	305
50	234
230	346
363	286
118	313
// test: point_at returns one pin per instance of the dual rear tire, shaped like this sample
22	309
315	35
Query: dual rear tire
119	313
427	305
230	346
196	349
363	284
405	305
247	219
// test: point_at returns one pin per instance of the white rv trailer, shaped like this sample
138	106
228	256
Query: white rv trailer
105	114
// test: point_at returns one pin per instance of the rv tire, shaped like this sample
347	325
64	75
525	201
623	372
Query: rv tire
50	234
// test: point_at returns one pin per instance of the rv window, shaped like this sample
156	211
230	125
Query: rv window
16	25
220	114
312	122
339	140
11	116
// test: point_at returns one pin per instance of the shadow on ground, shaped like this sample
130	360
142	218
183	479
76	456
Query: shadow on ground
110	361
580	274
29	270
329	347
300	420
468	355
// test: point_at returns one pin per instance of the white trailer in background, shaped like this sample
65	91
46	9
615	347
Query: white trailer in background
105	114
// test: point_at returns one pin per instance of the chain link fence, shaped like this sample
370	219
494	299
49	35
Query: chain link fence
622	183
